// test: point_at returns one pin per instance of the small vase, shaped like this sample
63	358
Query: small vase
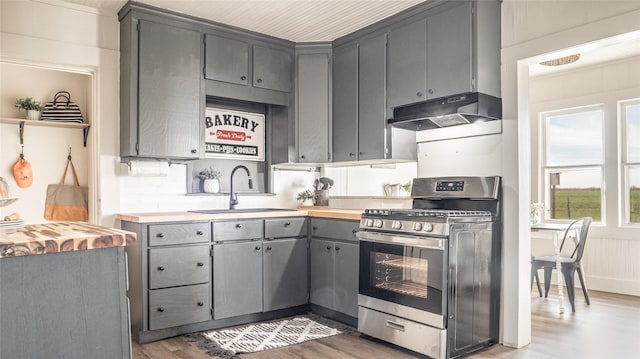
33	115
535	218
307	203
212	185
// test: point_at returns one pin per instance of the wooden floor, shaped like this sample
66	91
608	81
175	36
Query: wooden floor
608	328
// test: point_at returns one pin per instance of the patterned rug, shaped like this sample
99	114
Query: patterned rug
228	343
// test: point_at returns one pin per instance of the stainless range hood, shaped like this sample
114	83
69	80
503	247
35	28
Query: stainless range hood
458	110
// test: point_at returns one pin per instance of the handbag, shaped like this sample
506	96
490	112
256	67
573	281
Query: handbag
67	202
61	109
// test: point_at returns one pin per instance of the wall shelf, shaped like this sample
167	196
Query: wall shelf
22	122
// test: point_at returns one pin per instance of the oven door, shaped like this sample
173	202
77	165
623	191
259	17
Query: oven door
404	274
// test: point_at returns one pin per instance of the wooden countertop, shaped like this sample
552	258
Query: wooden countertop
323	212
61	237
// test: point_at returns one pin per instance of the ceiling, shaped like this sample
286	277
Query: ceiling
295	20
327	20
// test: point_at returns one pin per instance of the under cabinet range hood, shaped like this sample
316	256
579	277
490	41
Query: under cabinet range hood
458	110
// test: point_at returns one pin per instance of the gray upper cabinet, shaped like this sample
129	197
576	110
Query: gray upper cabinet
226	60
271	68
449	52
345	103
372	118
452	48
407	63
312	110
161	90
359	100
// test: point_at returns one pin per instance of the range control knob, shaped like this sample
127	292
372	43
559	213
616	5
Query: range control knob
369	223
428	227
417	226
377	223
396	225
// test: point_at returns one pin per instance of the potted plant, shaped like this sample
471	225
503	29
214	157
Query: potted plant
307	197
407	188
211	178
31	106
535	211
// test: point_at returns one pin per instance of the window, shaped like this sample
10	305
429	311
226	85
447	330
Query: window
630	114
573	163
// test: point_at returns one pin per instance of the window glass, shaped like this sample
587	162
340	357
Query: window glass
634	194
575	139
575	193
632	115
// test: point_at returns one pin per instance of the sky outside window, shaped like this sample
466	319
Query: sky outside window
575	139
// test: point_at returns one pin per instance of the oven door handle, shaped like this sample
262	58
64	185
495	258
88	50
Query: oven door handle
413	241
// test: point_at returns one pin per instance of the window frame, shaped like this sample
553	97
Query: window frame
545	169
625	164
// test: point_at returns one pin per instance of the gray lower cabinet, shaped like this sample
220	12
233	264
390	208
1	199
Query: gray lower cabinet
237	278
161	90
169	276
255	272
285	273
68	305
334	265
171	307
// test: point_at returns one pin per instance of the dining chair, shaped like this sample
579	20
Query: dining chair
577	231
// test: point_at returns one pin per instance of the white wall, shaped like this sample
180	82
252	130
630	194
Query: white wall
530	30
612	253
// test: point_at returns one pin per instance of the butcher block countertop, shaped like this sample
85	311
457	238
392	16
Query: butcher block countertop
58	237
323	212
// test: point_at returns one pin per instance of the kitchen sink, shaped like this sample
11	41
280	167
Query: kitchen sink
243	210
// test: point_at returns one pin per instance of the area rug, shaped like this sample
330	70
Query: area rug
228	343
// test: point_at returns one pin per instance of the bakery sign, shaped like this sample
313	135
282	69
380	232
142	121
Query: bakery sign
234	134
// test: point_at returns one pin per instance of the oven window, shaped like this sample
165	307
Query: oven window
402	274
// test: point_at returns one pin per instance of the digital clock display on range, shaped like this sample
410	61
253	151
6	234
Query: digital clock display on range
449	186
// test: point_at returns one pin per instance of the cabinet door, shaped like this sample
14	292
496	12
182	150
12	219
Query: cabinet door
346	278
321	286
408	63
449	52
169	92
179	233
237	279
345	103
313	108
372	117
271	69
226	60
238	230
285	273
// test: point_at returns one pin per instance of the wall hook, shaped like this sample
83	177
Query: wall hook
69	157
22	153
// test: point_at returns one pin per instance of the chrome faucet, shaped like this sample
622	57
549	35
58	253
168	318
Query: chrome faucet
233	199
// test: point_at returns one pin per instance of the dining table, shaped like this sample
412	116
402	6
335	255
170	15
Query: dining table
557	230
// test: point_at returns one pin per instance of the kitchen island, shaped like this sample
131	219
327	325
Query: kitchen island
63	292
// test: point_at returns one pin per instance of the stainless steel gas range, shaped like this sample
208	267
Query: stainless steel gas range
430	275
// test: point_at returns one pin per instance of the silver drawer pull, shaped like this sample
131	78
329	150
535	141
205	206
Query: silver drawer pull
395	326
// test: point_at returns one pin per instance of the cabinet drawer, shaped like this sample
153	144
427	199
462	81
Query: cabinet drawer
178	306
333	228
237	230
285	227
169	267
178	233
